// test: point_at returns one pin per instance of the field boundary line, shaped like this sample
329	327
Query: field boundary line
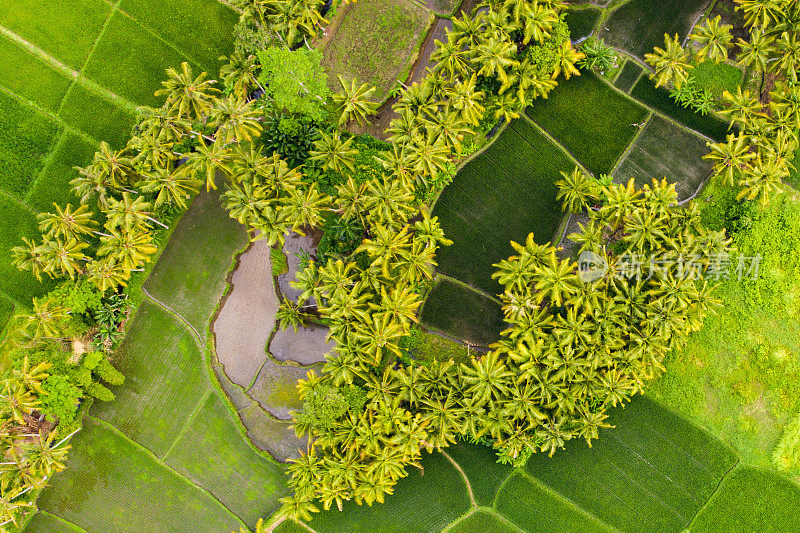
459	519
631	145
714	494
62	519
500	516
463	475
114	6
21	203
502	485
114	429
195	334
558	145
197	408
557	495
64	69
49	114
470	287
49	160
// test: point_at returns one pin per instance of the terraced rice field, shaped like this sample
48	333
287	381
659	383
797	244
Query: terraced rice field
73	75
590	119
665	150
463	313
639	25
172	446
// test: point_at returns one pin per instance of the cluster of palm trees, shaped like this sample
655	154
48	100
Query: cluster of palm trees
287	22
758	156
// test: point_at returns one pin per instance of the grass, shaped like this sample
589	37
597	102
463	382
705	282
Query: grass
165	380
628	76
420	503
480	465
26	139
32	78
111	484
748	500
66	29
289	526
581	22
653	472
463	314
480	522
203	38
6	309
212	454
659	99
549	512
589	119
501	195
280	263
87	111
376	43
131	61
717	77
206	238
47	523
664	150
639	25
429	346
53	185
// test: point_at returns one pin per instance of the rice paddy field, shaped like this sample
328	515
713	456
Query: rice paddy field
464	313
376	42
72	76
639	25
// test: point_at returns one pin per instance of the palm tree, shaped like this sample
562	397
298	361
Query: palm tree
762	179
755	52
401	303
670	63
304	208
188	97
744	107
129	214
250	165
163	123
388	202
62	256
206	161
171	188
427	156
714	40
466	98
245	202
788	49
451	59
730	158
556	280
486	378
235	119
576	191
47	319
155	151
761	13
106	273
130	248
31	377
537	20
334	153
29	257
353	103
495	56
240	73
67	223
41	458
289	314
566	58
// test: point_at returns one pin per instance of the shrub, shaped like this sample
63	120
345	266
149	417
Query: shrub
786	456
61	398
96	390
280	264
325	404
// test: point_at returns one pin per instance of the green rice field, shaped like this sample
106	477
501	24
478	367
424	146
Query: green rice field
628	76
590	119
639	25
581	22
664	150
72	76
501	195
463	313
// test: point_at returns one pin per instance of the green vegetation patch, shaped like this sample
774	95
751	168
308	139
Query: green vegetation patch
6	308
480	465
581	22
31	78
748	500
652	472
717	77
53	185
482	521
190	274
590	119
164	380
131	62
420	503
664	150
290	526
628	76
66	29
111	484
463	313
376	43
200	28
103	119
639	25
48	523
26	139
212	453
536	509
739	377
500	196
659	99
17	222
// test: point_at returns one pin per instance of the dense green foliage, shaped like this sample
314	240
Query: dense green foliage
295	80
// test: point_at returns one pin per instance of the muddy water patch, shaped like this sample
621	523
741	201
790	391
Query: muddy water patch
307	346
